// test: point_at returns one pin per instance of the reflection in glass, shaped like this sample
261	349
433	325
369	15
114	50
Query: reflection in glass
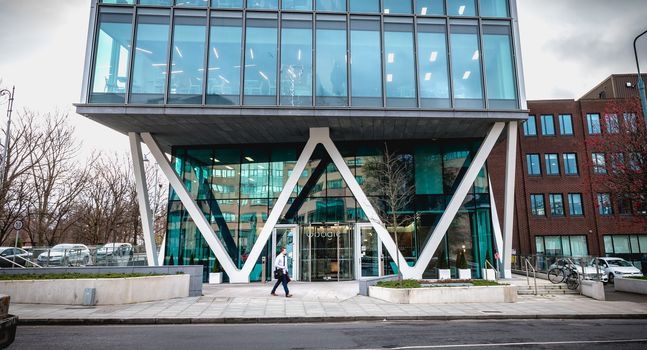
194	3
466	68
296	63
151	60
283	161
111	58
227	3
461	7
494	8
156	2
189	35
253	214
302	5
399	62
263	4
225	175
430	7
254	174
223	79
331	72
497	53
397	6
432	66
366	6
366	63
331	5
118	1
260	62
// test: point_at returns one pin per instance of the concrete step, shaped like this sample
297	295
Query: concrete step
547	292
545	287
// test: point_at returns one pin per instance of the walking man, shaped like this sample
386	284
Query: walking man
281	272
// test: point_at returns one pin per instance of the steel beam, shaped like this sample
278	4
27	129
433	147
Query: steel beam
508	211
142	199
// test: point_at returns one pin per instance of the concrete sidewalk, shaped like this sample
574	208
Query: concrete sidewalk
318	302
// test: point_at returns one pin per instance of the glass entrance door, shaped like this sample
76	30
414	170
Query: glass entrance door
368	248
327	253
286	236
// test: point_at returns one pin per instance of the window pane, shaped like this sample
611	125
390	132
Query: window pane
604	204
331	5
112	54
399	61
189	36
303	5
191	2
227	3
397	6
296	63
553	246
428	170
575	204
593	122
494	8
118	1
226	174
155	2
530	126
331	62
499	69
566	246
223	84
630	122
642	240
254	174
430	7
565	124
539	244
556	204
608	244
534	167
260	62
432	66
621	244
599	163
263	4
466	69
570	164
461	7
366	63
364	5
547	125
552	164
613	127
579	246
537	204
151	60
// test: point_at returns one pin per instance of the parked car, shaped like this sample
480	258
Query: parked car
65	254
590	271
17	255
115	253
618	267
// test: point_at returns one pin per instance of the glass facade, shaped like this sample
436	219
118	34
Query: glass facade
298	53
573	246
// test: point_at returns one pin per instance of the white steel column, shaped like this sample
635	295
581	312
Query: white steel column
457	200
508	213
496	224
142	198
195	212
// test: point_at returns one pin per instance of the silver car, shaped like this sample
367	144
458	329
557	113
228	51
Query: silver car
65	254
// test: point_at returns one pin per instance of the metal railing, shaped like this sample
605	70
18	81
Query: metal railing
586	265
496	273
528	266
75	257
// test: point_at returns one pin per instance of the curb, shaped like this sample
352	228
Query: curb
332	319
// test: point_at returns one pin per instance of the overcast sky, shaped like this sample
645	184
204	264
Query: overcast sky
568	46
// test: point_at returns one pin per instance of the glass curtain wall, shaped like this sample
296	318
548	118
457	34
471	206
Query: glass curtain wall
399	64
366	62
263	4
499	67
296	60
301	5
112	57
331	61
430	7
192	3
433	71
148	82
227	4
331	5
156	2
260	59
461	7
466	65
223	72
493	8
397	6
365	6
187	64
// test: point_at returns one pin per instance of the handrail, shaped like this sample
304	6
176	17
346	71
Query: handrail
13	262
29	261
496	273
527	265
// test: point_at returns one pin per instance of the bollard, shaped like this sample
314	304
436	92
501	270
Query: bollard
264	270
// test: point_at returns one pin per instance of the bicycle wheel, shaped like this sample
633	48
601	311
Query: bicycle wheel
556	275
573	280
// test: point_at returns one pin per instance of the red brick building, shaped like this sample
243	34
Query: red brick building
559	210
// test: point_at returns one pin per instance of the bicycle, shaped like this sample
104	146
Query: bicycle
566	273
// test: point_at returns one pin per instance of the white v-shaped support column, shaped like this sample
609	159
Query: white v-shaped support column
508	211
496	225
142	196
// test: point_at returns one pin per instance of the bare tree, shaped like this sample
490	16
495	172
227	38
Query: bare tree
389	180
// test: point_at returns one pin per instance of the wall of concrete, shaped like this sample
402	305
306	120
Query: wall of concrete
630	285
446	295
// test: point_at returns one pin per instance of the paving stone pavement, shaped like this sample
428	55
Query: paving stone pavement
316	302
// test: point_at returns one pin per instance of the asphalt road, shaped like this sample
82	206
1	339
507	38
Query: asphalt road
508	334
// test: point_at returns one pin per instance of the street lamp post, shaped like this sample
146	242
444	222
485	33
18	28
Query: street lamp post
641	83
7	132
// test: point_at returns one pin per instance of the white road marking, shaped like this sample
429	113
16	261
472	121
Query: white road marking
450	346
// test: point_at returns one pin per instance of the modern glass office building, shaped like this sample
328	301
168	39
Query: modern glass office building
245	96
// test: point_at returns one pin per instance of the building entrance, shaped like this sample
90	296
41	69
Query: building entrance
327	252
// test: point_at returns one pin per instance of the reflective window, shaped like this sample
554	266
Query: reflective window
366	63
556	204
604	204
263	4
118	1
547	125
552	163
593	123
156	2
630	122
112	56
331	5
570	163
189	37
461	7
432	66
254	174
397	6
260	61
151	58
599	163
499	69
399	65
296	62
565	124
302	5
575	207
613	126
534	166
537	205
430	7
227	3
372	6
223	82
200	3
530	126
332	69
466	68
494	8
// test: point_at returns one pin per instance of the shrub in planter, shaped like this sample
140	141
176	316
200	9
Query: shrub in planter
464	273
444	273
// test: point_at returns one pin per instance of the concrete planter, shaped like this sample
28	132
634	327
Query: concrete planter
109	291
444	274
215	277
464	274
631	285
592	289
446	295
488	274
